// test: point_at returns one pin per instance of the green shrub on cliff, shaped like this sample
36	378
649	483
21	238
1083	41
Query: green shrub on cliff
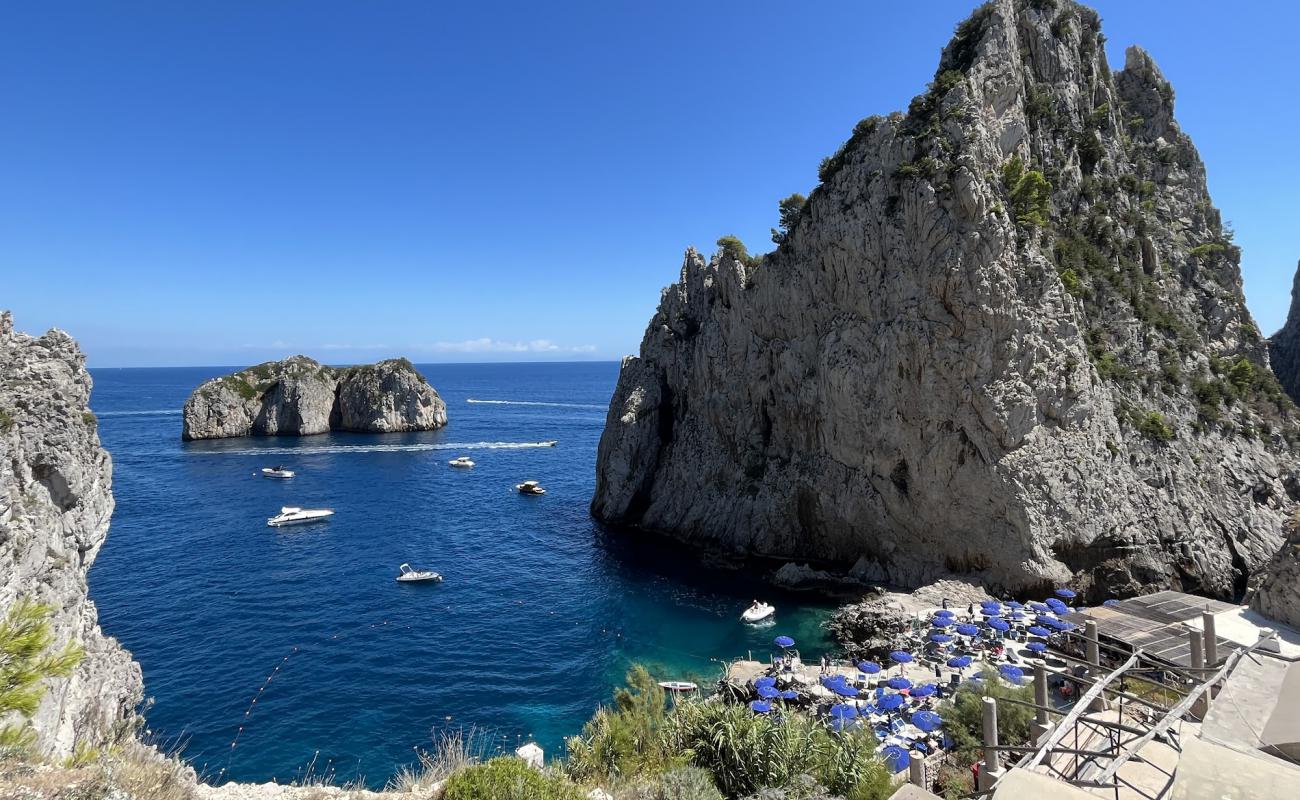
509	778
26	663
747	753
1030	193
625	739
964	716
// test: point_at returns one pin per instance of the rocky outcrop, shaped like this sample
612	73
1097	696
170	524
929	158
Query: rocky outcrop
1278	595
55	504
871	628
300	397
1284	346
1004	338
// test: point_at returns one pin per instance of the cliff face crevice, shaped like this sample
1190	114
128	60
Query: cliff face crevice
1284	346
55	504
1005	338
300	397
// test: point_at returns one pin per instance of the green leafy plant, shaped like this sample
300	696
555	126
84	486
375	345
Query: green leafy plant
1153	425
625	739
26	663
509	778
1030	193
788	210
964	716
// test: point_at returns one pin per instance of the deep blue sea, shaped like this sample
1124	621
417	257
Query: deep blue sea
296	644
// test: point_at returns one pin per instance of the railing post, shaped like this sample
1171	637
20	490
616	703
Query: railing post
916	768
991	768
1198	655
1094	651
1042	720
1211	640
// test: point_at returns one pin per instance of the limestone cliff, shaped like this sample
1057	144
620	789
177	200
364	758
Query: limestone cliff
55	504
299	397
1005	337
1278	595
1284	346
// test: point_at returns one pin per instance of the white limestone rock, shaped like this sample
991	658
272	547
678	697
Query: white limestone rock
55	504
300	397
914	385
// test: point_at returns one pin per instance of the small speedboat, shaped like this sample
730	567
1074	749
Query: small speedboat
758	612
463	462
292	515
407	575
276	472
678	686
529	487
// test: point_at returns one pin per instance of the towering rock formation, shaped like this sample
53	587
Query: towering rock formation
1278	596
299	397
55	503
1005	338
1284	346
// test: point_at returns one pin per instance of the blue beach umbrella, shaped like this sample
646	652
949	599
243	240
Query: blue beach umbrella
1013	605
900	657
844	711
784	641
941	638
844	690
942	622
1051	622
967	629
959	662
789	694
998	624
944	612
1036	647
927	720
1040	607
891	702
896	758
1111	603
1068	594
768	692
899	683
840	725
869	667
1062	625
925	690
760	706
1012	673
1057	605
1038	630
1013	615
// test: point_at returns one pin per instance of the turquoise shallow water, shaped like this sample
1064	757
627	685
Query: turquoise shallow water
540	615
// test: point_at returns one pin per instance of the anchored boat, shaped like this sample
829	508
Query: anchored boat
407	575
758	612
677	686
529	487
463	462
292	515
277	472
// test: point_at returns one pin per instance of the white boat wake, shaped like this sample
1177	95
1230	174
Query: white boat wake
331	449
159	412
534	403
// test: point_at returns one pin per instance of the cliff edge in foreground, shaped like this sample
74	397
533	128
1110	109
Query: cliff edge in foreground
55	502
300	397
1005	337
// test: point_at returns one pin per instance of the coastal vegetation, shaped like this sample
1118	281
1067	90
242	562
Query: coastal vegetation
27	661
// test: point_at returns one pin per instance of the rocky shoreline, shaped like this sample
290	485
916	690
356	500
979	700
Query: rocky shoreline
301	397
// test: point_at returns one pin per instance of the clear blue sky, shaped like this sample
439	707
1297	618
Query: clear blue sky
223	182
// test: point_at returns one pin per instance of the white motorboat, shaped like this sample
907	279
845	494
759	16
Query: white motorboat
463	462
407	575
529	487
292	515
276	472
758	612
678	686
